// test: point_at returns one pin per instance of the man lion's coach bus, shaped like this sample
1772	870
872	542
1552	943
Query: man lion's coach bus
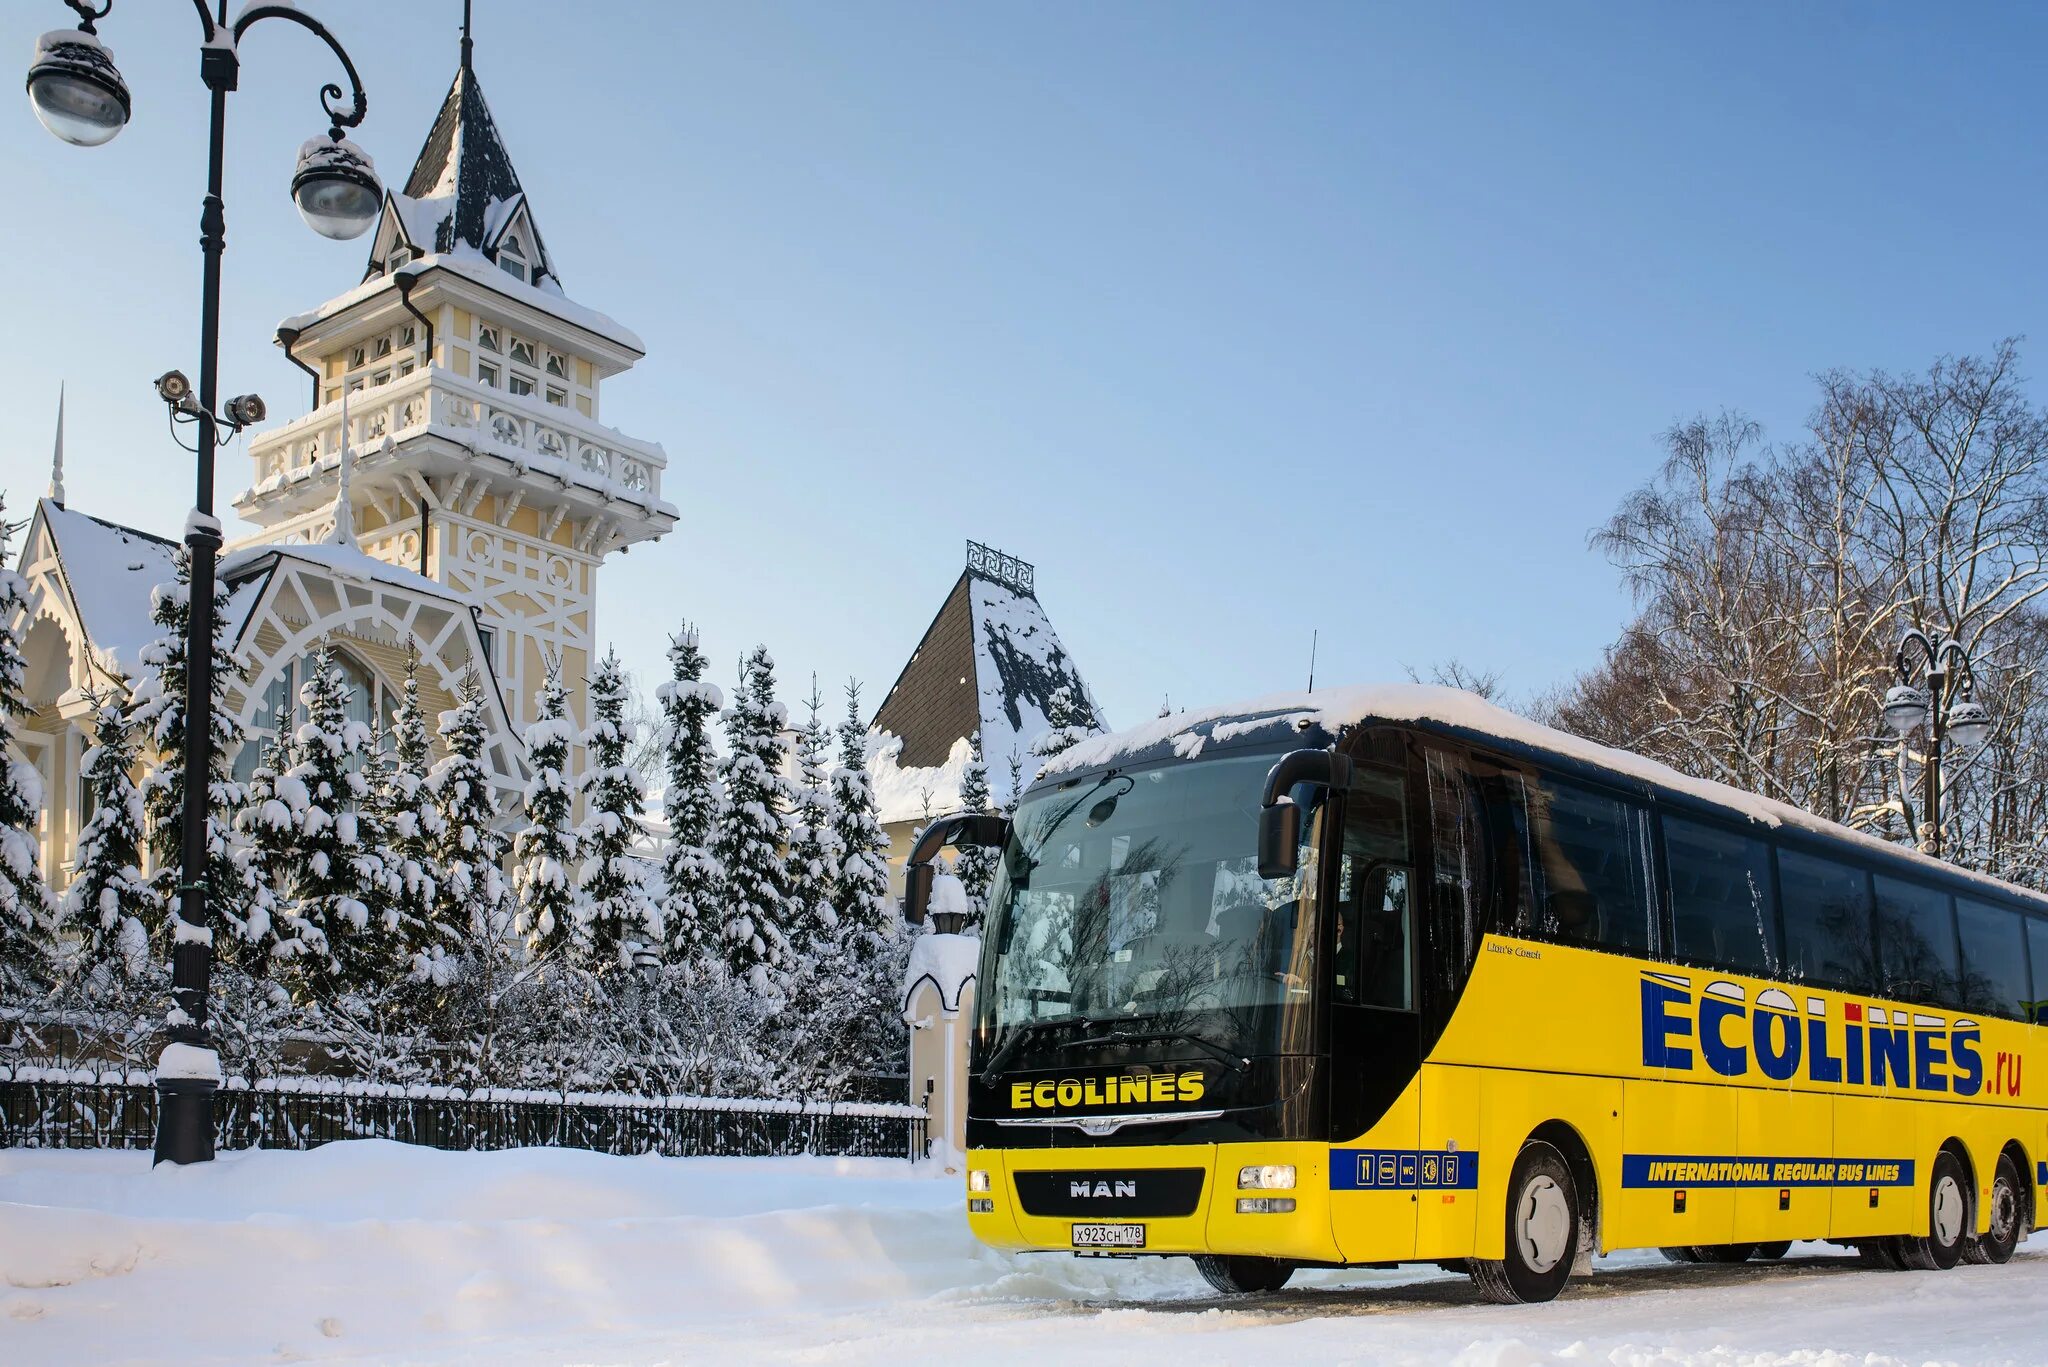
1391	975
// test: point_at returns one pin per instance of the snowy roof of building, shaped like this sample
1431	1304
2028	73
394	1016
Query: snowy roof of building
948	962
989	661
1320	717
110	570
239	565
471	264
463	189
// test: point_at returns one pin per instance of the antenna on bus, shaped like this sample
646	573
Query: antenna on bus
1313	634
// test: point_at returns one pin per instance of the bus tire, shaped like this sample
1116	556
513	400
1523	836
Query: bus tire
1879	1253
1542	1231
1770	1253
2008	1202
1240	1275
1722	1253
1679	1253
1948	1220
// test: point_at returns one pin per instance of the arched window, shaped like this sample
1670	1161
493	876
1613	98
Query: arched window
283	708
512	256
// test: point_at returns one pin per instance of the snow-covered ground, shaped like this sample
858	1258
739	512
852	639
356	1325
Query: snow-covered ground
378	1252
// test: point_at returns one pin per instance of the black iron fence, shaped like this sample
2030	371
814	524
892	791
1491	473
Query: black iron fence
80	1109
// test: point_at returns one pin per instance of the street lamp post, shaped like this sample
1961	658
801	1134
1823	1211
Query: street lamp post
79	95
1942	703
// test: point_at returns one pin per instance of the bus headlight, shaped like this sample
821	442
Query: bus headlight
1265	1205
1267	1177
977	1180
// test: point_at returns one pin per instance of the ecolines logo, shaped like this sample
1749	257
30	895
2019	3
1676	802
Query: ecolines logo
1867	1047
1130	1089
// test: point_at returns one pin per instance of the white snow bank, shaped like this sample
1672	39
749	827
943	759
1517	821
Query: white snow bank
379	1252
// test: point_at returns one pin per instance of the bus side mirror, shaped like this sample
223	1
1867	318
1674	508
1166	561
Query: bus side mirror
1279	840
1279	818
917	892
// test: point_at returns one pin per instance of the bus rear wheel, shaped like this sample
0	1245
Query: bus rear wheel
1770	1253
1948	1220
1542	1231
1239	1275
1996	1244
1722	1253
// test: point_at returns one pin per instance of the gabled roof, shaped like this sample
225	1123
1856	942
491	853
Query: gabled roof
109	572
990	661
463	190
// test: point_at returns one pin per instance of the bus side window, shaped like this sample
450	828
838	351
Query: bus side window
1916	938
1722	911
1373	963
1507	816
1994	959
1592	866
1828	937
1459	882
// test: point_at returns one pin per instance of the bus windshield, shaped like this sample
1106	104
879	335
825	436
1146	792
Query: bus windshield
1131	901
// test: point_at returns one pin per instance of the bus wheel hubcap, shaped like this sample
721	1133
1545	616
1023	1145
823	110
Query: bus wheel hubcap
1543	1225
2004	1212
1948	1211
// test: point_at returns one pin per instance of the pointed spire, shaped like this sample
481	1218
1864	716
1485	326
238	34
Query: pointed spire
344	533
57	456
465	36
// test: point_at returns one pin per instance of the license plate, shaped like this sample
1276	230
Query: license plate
1109	1236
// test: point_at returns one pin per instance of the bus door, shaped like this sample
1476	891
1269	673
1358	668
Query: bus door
1376	1171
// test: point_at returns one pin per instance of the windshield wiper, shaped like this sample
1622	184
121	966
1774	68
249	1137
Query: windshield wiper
994	1068
1228	1059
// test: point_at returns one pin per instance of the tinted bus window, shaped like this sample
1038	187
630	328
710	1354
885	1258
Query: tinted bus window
1916	933
1592	865
2037	948
1722	911
1827	922
1460	869
1994	976
1373	912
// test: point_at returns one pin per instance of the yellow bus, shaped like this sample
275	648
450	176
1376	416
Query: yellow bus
1390	975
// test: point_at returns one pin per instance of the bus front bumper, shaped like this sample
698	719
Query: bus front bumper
1183	1199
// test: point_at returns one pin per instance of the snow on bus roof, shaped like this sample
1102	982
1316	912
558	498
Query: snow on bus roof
1184	733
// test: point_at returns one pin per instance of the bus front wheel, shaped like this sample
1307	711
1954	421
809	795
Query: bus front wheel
1236	1275
1542	1231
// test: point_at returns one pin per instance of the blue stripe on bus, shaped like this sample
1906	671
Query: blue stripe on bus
1720	1170
1403	1170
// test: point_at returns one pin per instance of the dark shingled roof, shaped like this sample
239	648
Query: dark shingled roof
463	149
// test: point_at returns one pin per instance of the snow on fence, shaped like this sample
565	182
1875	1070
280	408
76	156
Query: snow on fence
80	1108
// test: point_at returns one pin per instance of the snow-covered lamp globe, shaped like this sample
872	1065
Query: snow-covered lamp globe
336	187
1969	724
1905	710
948	906
75	88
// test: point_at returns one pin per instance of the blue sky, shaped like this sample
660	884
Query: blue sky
1240	321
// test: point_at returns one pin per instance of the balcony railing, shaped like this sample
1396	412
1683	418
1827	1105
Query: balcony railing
525	430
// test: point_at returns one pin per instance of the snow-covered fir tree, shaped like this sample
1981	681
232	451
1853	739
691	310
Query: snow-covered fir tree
1017	783
752	830
862	890
412	825
105	904
331	928
550	916
28	913
813	864
975	868
159	713
625	922
690	802
266	850
1068	722
470	896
